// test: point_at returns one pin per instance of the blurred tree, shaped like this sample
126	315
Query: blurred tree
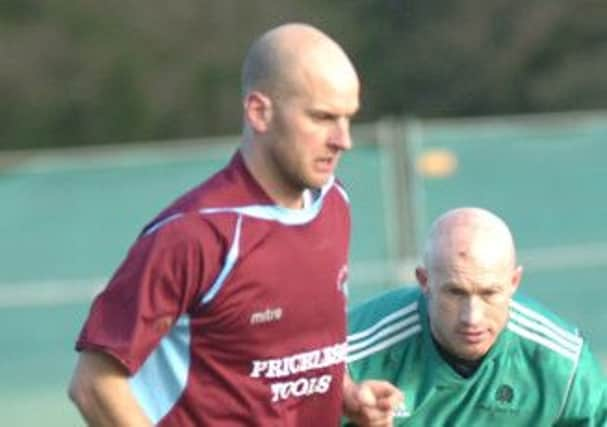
469	57
89	72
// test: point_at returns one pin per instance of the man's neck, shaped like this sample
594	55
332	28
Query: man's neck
280	194
465	368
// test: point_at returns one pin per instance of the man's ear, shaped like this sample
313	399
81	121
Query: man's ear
258	111
517	275
421	274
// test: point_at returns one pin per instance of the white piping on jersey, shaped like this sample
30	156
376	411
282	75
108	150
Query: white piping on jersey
162	222
396	326
544	331
532	336
389	330
307	198
391	317
231	259
161	380
536	327
569	336
279	213
268	212
343	193
568	388
406	333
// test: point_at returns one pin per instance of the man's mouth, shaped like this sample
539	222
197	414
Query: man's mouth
472	337
325	164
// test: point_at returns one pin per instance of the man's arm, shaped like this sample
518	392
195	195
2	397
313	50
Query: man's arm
100	390
587	400
370	403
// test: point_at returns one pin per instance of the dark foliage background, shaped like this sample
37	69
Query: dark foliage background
89	72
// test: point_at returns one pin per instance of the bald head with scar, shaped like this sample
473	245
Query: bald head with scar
468	275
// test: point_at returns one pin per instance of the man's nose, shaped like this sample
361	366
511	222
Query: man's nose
472	311
340	137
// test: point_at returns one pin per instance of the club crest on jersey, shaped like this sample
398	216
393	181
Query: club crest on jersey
342	280
504	394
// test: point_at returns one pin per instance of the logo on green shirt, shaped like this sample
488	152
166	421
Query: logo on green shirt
504	394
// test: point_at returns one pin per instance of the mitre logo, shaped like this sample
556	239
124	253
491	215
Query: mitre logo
265	316
342	280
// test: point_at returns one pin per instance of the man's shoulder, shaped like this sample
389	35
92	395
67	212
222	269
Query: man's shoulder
404	298
539	329
384	321
525	305
229	187
341	189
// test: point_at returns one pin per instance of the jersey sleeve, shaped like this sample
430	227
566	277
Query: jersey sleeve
360	320
586	403
162	277
367	327
354	366
368	357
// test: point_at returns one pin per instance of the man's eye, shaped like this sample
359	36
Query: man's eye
490	294
323	116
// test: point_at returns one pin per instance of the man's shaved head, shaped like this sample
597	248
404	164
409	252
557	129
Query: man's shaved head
282	54
300	92
471	233
469	277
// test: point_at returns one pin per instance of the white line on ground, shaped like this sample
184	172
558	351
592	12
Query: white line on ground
370	272
49	292
582	255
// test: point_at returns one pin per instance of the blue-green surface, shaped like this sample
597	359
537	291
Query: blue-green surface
547	180
78	223
72	218
68	220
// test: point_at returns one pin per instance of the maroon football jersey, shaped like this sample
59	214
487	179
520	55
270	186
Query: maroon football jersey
230	310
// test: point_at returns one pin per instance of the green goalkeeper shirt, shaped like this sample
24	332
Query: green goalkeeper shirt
540	371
